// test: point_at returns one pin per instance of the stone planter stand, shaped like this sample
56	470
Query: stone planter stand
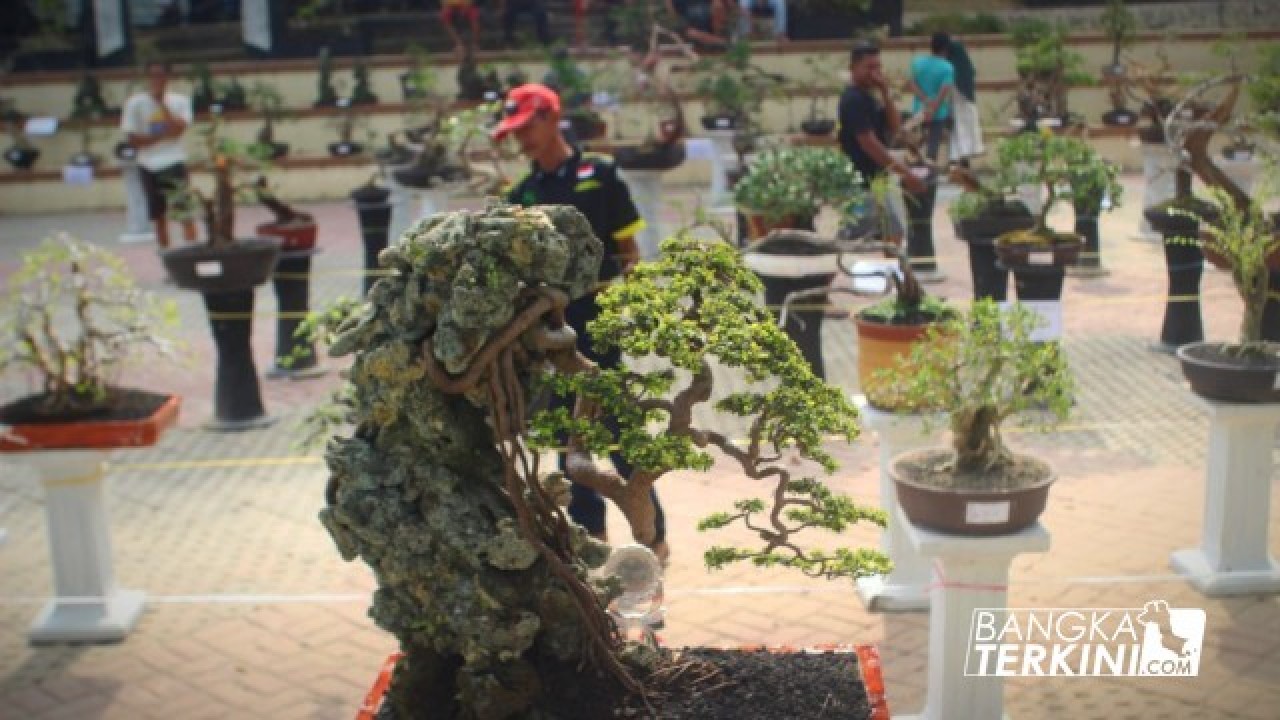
907	586
1233	556
969	573
295	357
87	605
137	224
646	193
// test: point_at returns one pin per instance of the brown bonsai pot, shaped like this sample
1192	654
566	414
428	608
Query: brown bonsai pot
758	227
966	510
881	346
293	236
241	265
1053	250
135	419
1216	374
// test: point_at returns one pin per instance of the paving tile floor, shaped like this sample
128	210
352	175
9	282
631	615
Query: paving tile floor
252	614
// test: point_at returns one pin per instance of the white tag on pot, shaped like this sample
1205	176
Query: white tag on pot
920	171
722	122
77	174
986	513
41	126
1040	257
209	268
1051	122
873	284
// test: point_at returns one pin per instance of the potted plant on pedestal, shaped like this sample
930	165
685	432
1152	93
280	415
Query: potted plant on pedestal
982	368
818	82
203	96
1094	188
1248	243
783	188
72	323
225	270
982	213
326	94
528	632
361	93
1121	28
732	88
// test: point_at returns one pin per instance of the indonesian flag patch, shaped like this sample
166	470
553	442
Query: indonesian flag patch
586	171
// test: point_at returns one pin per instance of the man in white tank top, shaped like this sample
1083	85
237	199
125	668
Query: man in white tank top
154	122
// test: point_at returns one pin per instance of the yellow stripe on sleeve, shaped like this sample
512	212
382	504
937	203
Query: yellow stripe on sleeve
630	230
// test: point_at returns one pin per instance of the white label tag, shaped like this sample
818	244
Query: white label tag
920	172
209	268
77	174
41	126
722	122
986	513
1051	122
1040	257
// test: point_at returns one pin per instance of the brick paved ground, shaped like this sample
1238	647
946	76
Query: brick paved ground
254	615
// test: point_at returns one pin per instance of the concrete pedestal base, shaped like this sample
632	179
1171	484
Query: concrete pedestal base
87	606
969	573
1233	556
906	588
723	160
646	193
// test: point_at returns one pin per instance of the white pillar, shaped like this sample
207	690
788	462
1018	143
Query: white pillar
1233	556
406	208
87	605
646	193
138	227
435	199
906	587
1159	175
723	160
969	573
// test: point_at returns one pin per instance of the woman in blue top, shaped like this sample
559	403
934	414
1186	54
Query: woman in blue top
932	82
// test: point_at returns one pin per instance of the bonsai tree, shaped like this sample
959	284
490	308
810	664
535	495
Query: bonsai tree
475	85
817	82
788	186
217	208
1121	27
231	96
483	579
1046	70
88	103
1245	240
1054	162
574	86
361	93
326	96
202	94
418	82
267	101
72	319
732	88
1264	91
982	368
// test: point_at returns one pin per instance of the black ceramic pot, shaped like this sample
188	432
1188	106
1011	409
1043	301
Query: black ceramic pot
374	213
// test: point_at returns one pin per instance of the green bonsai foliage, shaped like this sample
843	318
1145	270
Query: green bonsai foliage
796	182
1047	69
269	103
1068	168
731	86
73	316
983	368
1120	26
693	306
1245	238
1264	90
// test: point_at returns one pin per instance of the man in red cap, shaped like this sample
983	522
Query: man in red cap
561	174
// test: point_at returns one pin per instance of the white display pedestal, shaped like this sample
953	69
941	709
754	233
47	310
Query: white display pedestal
906	587
969	573
87	606
723	160
1159	183
1233	557
646	193
409	205
138	228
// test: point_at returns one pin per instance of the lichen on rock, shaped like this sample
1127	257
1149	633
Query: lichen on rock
417	490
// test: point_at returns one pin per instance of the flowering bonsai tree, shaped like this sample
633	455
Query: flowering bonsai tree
482	577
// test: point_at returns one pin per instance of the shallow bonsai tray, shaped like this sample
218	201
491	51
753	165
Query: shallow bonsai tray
97	433
868	657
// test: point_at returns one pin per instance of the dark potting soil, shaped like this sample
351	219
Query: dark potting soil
708	684
935	467
122	404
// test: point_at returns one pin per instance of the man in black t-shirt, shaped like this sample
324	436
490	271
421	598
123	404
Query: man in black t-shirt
562	175
868	118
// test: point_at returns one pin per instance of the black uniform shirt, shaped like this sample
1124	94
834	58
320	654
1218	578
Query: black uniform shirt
859	112
590	183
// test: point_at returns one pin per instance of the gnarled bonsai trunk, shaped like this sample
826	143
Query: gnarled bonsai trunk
976	439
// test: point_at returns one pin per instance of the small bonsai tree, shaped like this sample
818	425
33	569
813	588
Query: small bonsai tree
1264	91
793	184
232	96
1046	70
361	92
88	103
1068	168
732	86
326	95
1121	28
267	101
72	318
1245	240
217	209
982	368
202	92
817	82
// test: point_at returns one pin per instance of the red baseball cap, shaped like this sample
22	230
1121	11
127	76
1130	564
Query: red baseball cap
522	103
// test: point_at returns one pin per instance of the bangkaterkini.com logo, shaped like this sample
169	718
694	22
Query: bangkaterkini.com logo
1151	641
